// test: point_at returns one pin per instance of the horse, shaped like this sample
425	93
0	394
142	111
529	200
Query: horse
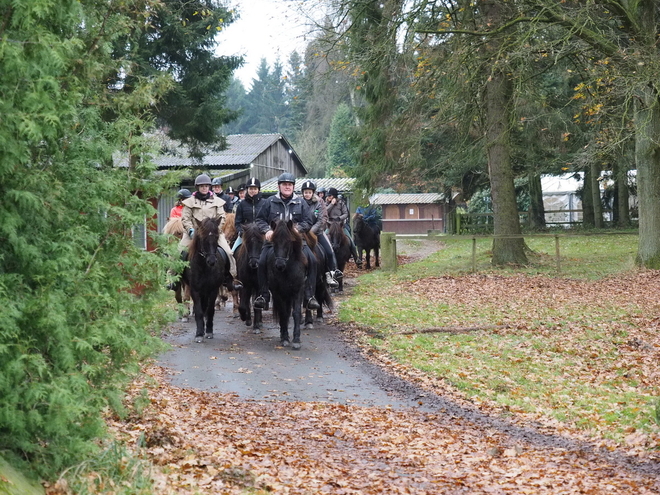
174	227
247	261
286	266
205	274
341	245
229	229
321	292
366	238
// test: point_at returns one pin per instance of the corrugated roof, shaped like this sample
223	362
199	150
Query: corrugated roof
406	199
242	149
343	184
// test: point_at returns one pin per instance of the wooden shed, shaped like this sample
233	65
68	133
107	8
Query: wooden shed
411	213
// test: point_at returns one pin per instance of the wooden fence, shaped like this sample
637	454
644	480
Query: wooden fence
389	251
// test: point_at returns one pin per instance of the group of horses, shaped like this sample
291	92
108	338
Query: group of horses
203	278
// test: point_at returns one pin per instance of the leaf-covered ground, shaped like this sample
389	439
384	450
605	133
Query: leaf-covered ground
213	443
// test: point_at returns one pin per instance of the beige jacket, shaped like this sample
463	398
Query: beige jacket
194	211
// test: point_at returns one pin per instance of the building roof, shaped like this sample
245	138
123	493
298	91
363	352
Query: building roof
242	149
343	184
406	199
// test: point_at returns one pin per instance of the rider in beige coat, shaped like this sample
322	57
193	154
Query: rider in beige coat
204	204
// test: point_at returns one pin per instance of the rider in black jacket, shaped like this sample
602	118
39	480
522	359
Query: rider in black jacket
247	209
283	205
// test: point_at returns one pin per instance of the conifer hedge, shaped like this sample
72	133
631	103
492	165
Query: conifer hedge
77	298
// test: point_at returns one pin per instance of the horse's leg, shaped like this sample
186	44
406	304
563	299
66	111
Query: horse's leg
210	313
376	255
257	321
284	312
309	320
244	305
368	258
297	316
199	315
235	303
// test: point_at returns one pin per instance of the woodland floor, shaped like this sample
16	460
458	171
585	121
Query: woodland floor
207	442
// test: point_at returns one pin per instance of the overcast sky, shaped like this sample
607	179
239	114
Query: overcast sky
268	29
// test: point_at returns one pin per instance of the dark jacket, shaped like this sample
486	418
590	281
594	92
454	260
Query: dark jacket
275	208
246	211
337	212
317	205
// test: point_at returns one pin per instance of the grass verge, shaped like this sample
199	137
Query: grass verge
581	348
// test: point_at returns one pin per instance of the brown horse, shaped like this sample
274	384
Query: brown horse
229	229
174	228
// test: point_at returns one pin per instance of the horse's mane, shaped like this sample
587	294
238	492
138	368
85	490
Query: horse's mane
336	230
283	232
311	239
251	234
365	234
209	226
229	228
174	227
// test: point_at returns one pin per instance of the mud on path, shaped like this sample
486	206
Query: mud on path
239	412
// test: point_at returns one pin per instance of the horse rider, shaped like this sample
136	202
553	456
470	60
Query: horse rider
204	204
317	205
320	192
338	213
177	209
230	199
216	187
285	205
247	209
242	190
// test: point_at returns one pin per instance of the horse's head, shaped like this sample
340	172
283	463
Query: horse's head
358	222
286	241
205	240
253	240
336	235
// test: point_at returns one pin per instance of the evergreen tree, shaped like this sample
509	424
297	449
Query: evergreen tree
341	153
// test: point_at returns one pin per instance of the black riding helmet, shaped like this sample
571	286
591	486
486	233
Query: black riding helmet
308	184
254	182
286	177
183	194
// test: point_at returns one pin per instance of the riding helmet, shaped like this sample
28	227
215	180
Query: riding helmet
254	182
183	194
321	190
286	177
230	190
242	187
216	182
308	184
203	179
333	192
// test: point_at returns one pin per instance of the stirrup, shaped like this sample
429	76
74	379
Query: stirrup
329	279
259	302
338	274
236	284
312	303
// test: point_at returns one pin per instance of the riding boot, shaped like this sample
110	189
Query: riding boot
330	280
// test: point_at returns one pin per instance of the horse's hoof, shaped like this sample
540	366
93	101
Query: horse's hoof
248	323
285	343
199	339
208	336
236	315
184	320
256	331
319	320
309	326
295	346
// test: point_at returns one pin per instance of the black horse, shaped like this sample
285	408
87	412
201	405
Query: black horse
341	245
367	238
247	261
286	266
321	291
205	274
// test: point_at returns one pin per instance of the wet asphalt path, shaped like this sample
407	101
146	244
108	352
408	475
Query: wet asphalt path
256	367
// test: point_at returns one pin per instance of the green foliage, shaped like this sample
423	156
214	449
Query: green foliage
77	299
341	153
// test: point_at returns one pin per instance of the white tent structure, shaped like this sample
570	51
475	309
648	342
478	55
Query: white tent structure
560	199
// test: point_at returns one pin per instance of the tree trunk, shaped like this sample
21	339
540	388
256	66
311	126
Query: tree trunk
536	208
498	95
587	200
622	194
647	157
595	196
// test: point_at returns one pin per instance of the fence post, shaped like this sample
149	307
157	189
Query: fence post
474	254
388	251
557	253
